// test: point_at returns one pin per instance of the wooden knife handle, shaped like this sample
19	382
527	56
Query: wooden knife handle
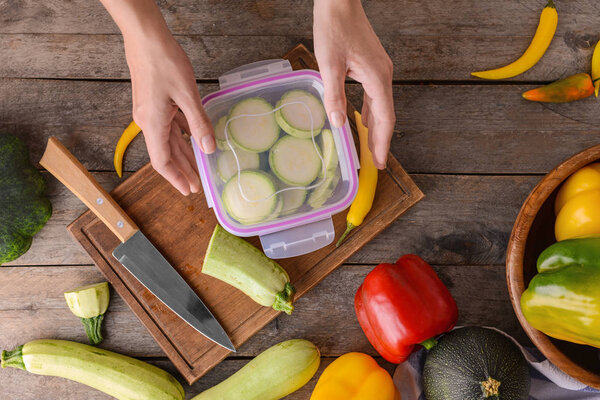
67	169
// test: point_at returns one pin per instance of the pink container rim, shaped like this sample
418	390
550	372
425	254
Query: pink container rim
293	222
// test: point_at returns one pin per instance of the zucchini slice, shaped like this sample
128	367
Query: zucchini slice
330	155
227	167
256	185
220	137
252	132
295	161
295	118
292	200
322	193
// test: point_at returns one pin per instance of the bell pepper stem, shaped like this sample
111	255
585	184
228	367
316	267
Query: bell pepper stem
429	343
13	358
349	227
550	4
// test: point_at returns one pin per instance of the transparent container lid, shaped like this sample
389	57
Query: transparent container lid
280	169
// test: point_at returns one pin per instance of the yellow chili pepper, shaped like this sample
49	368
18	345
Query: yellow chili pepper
126	137
367	181
355	376
577	204
596	67
538	46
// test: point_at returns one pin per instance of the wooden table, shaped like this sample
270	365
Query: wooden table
475	148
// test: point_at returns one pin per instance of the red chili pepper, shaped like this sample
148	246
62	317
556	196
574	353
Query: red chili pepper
574	87
402	305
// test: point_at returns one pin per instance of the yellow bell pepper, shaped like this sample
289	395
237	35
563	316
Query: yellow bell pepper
577	204
126	137
355	376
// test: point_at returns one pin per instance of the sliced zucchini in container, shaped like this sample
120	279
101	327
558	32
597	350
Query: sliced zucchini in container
256	185
330	155
295	118
227	167
253	133
295	161
292	200
323	192
236	262
220	137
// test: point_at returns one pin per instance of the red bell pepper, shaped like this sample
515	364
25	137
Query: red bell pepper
402	305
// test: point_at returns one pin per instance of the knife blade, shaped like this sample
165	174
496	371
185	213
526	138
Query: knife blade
136	253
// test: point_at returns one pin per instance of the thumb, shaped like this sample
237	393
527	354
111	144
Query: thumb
334	77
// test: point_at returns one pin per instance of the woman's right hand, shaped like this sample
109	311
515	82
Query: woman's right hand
163	82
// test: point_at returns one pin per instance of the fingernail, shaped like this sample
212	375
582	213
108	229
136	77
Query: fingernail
208	144
337	119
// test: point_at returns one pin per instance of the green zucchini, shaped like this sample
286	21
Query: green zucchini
295	118
122	377
236	262
256	185
250	131
475	363
295	161
227	166
90	304
275	373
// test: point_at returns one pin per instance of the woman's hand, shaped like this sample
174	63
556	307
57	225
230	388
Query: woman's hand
163	82
346	45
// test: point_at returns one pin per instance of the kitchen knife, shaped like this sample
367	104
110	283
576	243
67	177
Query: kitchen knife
135	252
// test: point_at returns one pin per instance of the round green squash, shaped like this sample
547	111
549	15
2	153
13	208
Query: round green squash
474	363
24	208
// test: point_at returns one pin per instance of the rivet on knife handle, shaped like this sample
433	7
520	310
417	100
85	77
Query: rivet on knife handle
67	169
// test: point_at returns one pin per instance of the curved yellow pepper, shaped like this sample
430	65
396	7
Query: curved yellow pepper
355	376
538	46
367	182
596	67
126	137
577	204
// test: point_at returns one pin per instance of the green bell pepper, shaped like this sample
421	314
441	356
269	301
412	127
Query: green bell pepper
563	299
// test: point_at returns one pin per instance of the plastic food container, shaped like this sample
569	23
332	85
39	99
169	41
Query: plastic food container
280	170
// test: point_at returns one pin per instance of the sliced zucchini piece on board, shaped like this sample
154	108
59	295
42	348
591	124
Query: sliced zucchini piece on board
322	193
220	137
330	155
227	167
292	200
256	185
253	133
295	161
295	118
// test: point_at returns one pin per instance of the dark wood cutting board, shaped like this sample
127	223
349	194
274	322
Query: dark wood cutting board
180	228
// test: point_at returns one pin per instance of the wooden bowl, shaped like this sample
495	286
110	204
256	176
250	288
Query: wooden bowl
532	233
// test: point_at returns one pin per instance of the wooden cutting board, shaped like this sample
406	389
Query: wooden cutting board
180	228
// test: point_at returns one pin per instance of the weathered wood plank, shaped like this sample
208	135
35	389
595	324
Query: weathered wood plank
462	220
441	128
32	307
276	17
427	57
34	387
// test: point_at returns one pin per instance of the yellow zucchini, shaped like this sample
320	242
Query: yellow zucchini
122	377
276	372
